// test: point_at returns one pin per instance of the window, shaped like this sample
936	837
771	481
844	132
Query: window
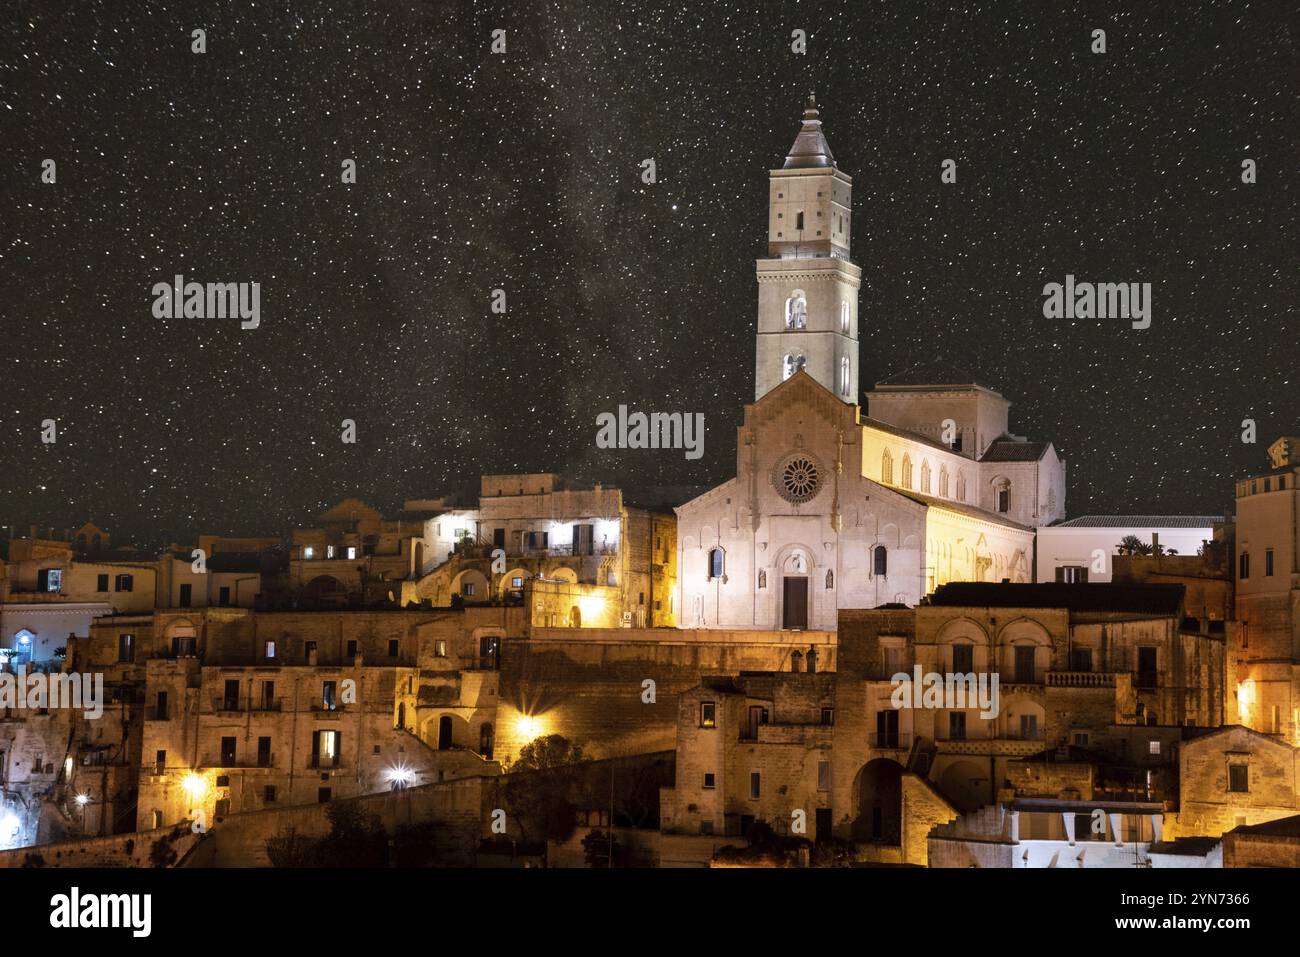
268	794
352	552
269	648
708	714
755	785
1072	574
263	752
1080	739
943	481
538	539
223	596
1029	727
309	552
160	762
230	695
323	795
1081	659
907	471
798	220
828	716
1004	499
716	564
351	648
823	775
796	311
892	657
1024	662
706	827
517	582
157	820
1153	747
708	781
49	579
469	588
1268	562
793	364
124	583
440	648
1238	778
956	725
1243	566
101	583
268	695
844	376
126	647
1146	676
329	551
187	595
329	695
880	560
228	752
160	709
887	468
963	659
925	477
392	647
325	749
961	478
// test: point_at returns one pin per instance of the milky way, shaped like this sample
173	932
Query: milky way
522	171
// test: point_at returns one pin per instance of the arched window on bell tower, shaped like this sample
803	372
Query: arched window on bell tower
793	363
844	377
796	311
844	318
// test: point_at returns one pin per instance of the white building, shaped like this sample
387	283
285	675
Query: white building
831	508
1081	549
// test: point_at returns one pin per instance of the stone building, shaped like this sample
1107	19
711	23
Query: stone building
832	508
1100	667
538	530
1086	548
1235	776
1267	560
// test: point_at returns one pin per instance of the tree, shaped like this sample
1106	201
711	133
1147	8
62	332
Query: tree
538	786
596	851
1132	545
550	751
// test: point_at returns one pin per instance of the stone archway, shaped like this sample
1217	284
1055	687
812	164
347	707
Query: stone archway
879	800
965	784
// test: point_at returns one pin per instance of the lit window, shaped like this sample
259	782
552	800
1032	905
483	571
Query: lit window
708	714
796	312
352	553
329	551
309	552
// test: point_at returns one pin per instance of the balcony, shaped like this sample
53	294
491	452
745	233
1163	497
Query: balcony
221	704
1080	679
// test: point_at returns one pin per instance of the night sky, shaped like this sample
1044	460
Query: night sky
522	171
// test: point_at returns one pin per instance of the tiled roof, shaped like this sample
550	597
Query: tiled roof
933	373
1141	521
1006	450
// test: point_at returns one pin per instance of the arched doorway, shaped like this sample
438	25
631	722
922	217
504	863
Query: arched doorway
879	790
966	785
575	617
401	715
444	732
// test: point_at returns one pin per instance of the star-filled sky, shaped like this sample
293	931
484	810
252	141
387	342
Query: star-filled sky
478	171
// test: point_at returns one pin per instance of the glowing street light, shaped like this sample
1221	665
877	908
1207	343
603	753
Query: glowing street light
194	786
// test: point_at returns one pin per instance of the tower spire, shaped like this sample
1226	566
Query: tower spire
810	148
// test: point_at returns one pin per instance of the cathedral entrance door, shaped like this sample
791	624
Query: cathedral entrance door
794	612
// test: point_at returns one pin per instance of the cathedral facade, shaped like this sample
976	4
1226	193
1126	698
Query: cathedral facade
831	507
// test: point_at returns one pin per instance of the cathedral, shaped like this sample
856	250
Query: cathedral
837	504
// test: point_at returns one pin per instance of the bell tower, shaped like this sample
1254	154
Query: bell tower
807	286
